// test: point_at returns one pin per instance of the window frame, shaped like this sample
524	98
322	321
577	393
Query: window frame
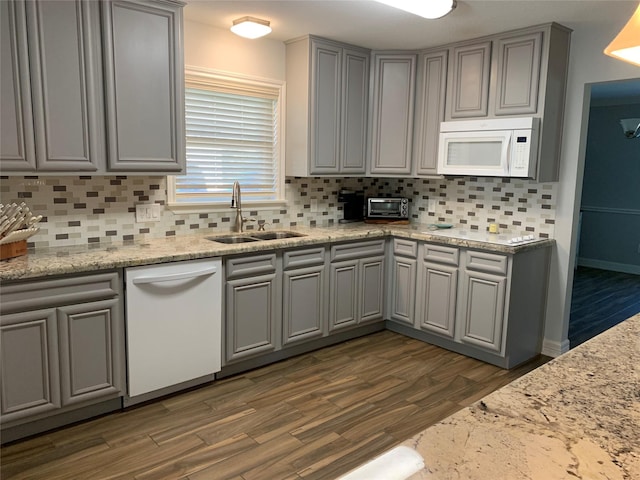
242	83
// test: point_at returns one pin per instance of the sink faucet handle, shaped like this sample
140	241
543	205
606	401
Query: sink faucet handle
261	225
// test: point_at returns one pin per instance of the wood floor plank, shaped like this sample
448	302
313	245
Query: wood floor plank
315	417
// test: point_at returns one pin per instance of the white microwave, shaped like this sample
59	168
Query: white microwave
504	147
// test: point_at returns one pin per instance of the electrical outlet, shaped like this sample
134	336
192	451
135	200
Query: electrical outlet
147	212
431	205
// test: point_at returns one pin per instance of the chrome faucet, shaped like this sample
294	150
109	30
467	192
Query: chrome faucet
236	202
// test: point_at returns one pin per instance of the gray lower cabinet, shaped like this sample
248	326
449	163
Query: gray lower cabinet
356	284
304	312
402	284
437	289
251	306
54	119
62	345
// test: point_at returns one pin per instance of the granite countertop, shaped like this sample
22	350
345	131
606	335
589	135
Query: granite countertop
87	258
576	417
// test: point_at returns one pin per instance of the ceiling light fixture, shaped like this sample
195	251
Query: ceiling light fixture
631	127
626	46
251	27
426	8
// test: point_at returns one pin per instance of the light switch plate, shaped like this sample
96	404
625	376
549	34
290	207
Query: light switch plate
147	212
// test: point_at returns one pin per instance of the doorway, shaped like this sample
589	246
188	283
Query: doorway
606	285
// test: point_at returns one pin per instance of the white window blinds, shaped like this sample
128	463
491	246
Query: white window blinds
232	134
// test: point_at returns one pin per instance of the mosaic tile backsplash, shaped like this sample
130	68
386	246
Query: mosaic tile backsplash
83	209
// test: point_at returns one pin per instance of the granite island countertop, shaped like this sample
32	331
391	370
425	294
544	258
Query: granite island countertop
576	417
95	257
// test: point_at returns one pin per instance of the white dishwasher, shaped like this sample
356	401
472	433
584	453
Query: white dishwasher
173	318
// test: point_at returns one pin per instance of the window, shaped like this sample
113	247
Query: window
233	132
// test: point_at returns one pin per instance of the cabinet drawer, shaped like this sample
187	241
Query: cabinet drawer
406	248
303	258
249	266
441	254
63	291
348	251
487	262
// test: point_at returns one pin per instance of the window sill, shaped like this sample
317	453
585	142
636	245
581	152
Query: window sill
186	208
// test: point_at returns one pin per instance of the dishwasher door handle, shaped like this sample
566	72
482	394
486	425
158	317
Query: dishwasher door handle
175	276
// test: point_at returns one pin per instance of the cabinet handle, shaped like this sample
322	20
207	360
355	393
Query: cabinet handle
175	276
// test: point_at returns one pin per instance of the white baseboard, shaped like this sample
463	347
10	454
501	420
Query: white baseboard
604	265
551	348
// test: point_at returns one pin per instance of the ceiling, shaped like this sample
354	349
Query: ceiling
378	26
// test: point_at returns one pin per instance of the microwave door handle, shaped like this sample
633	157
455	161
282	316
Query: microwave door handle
506	153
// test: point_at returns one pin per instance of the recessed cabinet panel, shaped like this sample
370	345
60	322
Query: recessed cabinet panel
483	311
90	358
518	74
64	47
372	289
355	71
144	80
403	290
392	115
17	147
29	354
303	304
469	80
438	299
325	113
343	295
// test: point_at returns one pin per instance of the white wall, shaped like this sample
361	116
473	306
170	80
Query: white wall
218	49
587	65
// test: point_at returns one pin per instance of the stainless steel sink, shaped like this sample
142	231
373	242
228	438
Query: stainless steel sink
276	235
233	239
254	237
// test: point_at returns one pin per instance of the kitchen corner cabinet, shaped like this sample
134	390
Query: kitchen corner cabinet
392	110
430	106
252	306
438	289
52	114
304	313
356	284
402	294
62	345
327	107
144	85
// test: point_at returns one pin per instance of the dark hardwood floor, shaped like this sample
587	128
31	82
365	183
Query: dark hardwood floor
315	416
600	300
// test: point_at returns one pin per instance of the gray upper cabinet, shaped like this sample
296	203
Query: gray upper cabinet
518	74
144	81
17	143
55	120
469	72
327	105
430	106
392	109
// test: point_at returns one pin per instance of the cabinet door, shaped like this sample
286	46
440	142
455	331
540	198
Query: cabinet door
371	289
355	99
468	89
430	102
303	304
392	114
343	295
90	351
251	316
518	74
403	290
29	353
17	147
64	49
482	310
144	85
326	85
436	311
